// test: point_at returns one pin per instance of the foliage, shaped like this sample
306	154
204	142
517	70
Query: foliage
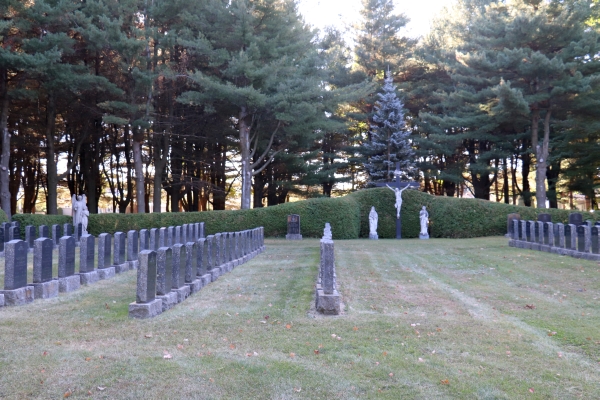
349	217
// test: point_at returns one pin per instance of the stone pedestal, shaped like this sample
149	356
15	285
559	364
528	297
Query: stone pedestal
1	297
373	236
17	297
328	304
46	290
215	273
106	273
423	237
145	310
206	279
168	301
195	286
69	283
134	264
87	278
182	293
119	268
293	236
398	228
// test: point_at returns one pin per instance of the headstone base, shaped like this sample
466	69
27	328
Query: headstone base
168	301
106	273
228	267
424	237
328	304
293	236
46	290
87	278
119	268
195	286
18	297
145	310
206	279
182	293
134	264
215	273
1	300
69	283
373	236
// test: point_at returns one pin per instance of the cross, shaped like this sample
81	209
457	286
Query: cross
399	185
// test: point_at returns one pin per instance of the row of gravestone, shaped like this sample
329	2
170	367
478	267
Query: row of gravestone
12	231
577	239
17	291
327	296
169	275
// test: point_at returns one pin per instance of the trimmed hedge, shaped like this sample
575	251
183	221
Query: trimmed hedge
449	217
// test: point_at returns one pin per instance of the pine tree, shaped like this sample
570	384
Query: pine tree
389	142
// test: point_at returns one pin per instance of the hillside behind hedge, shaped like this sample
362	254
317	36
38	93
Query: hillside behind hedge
449	217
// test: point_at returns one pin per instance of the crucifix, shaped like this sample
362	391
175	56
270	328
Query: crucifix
398	189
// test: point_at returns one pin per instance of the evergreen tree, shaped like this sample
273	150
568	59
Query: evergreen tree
389	142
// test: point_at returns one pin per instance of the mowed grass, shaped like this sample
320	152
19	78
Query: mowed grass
466	319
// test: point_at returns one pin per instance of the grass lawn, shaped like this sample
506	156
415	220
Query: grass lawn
463	319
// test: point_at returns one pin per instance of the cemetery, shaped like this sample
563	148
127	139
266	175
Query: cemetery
468	316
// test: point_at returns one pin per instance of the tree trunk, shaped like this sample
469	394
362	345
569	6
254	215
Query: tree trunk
552	178
4	157
541	154
525	169
244	129
505	186
51	173
138	163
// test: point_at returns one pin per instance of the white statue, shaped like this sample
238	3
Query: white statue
80	212
398	204
373	224
424	218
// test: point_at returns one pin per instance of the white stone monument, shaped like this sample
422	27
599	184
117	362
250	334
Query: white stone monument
373	217
424	218
80	212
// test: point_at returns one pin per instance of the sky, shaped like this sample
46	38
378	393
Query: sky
321	13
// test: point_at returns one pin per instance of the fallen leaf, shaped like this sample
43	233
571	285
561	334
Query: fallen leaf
88	358
266	317
211	379
316	351
101	388
45	353
531	390
232	346
391	374
385	353
106	306
530	306
421	360
148	335
445	382
67	394
292	355
355	328
551	333
180	346
288	326
297	390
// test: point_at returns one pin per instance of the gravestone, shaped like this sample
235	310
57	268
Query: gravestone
146	304
200	244
573	237
87	251
561	236
154	239
30	236
549	239
162	238
524	234
132	248
16	291
178	235
78	231
44	286
293	227
209	253
44	232
14	233
2	240
218	243
594	238
179	261
201	232
184	234
67	229
56	234
327	298
544	217
6	228
170	236
67	280
119	262
164	278
144	240
105	268
191	267
576	219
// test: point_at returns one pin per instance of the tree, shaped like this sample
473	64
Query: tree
389	142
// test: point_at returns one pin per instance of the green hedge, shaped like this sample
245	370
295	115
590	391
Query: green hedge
449	217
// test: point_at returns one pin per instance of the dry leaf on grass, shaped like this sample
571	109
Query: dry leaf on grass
445	382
